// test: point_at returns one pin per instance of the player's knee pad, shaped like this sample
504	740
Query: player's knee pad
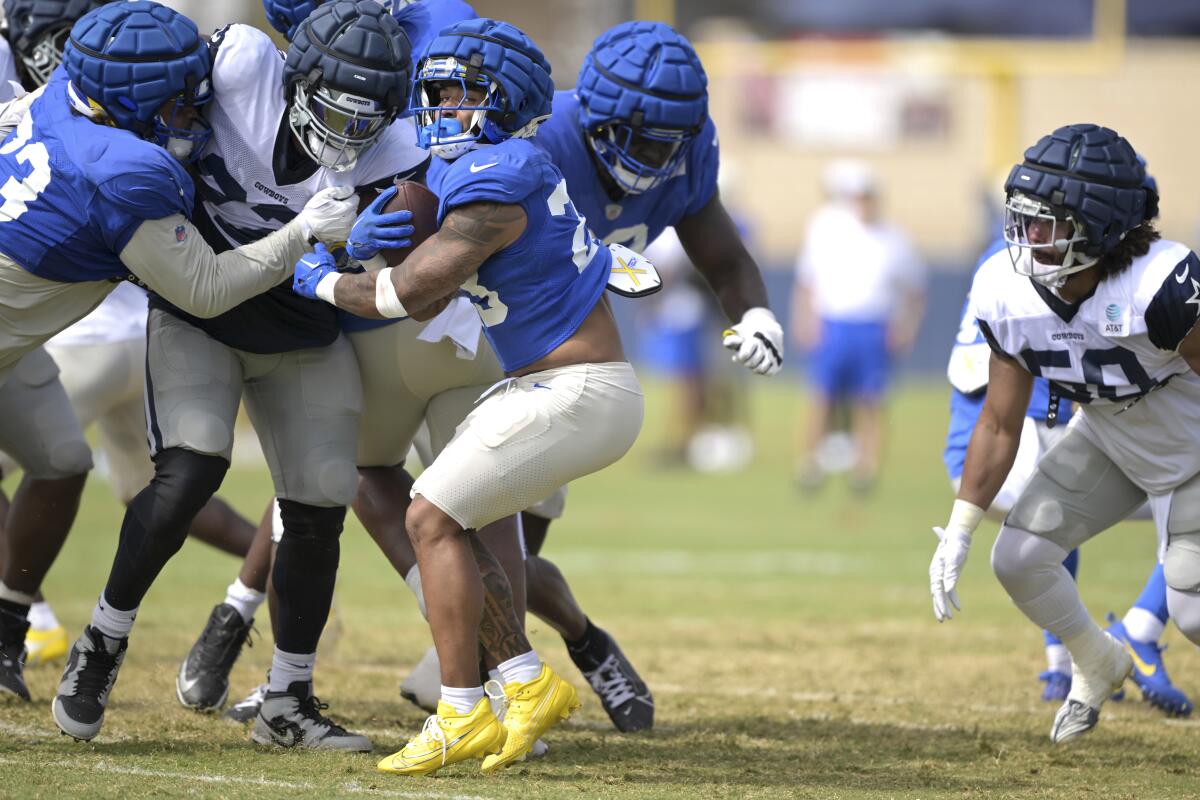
1184	608
1021	559
183	482
1181	564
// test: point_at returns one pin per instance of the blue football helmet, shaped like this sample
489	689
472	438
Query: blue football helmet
127	61
285	16
1073	199
500	66
348	74
37	31
643	97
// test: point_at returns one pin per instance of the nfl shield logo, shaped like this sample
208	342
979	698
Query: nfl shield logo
180	233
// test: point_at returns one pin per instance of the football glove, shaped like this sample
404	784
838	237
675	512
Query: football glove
310	270
375	230
757	341
948	561
329	214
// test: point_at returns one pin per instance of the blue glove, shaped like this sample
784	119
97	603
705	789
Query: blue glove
310	269
374	230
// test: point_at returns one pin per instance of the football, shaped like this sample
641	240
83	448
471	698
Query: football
423	204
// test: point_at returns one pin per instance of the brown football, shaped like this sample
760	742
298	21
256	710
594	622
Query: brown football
423	204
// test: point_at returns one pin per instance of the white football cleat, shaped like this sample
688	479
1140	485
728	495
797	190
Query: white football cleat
423	686
1089	690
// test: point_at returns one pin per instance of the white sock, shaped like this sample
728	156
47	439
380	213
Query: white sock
1058	659
1140	624
244	599
112	622
463	700
13	596
413	579
41	617
494	675
521	669
1089	648
287	668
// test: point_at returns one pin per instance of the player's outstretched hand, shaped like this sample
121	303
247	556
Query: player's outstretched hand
310	269
376	229
757	341
328	215
947	565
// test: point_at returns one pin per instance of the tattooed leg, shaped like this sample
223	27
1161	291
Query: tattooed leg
501	632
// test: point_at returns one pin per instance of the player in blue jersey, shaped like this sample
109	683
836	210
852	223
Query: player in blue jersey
95	193
511	238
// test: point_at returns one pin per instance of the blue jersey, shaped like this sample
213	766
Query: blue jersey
634	220
423	21
75	191
966	407
536	292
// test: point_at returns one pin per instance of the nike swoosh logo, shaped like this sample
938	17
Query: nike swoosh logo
482	167
1147	670
1183	277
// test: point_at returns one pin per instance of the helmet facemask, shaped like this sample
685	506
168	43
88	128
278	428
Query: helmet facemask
334	127
438	127
46	53
185	144
639	158
1044	243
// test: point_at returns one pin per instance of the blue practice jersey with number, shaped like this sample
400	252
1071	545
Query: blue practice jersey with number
536	292
73	192
634	220
423	21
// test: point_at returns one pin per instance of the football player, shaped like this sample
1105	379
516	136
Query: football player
284	132
1143	624
1091	298
96	193
511	238
101	358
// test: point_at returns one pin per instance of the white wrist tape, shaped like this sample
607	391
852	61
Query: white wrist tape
386	301
325	287
965	516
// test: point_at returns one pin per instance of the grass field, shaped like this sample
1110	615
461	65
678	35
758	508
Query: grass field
789	642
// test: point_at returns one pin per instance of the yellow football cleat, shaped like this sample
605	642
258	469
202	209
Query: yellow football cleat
42	647
448	738
533	708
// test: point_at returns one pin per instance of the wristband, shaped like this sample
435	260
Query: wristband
386	301
325	287
965	516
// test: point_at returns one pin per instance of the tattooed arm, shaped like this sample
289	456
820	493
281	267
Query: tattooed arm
469	235
501	634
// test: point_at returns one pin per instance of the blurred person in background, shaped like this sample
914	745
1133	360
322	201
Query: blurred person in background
857	303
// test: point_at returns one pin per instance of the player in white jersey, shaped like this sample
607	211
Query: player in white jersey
284	131
1089	297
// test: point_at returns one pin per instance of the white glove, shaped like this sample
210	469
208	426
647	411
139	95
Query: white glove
757	341
954	543
329	215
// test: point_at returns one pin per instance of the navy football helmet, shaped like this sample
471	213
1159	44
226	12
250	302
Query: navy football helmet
643	97
37	31
1073	199
348	73
127	61
489	58
285	16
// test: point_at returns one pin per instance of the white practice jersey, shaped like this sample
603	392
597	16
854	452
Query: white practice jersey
8	72
1115	353
120	317
238	185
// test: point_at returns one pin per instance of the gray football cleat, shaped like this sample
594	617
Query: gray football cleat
293	719
203	680
86	682
1089	690
246	709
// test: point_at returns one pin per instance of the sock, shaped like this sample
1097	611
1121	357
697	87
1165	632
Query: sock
583	643
413	579
288	668
1143	625
520	669
1088	648
589	651
1153	598
1071	562
112	622
1049	639
494	675
14	622
244	599
463	700
41	617
15	597
1058	659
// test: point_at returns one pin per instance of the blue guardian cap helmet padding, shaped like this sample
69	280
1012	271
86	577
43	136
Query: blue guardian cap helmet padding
285	16
481	54
348	73
1073	199
126	61
643	97
37	30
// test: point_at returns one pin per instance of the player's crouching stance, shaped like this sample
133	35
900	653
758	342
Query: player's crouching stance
509	236
1106	311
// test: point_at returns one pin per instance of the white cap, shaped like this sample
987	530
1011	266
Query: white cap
848	178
